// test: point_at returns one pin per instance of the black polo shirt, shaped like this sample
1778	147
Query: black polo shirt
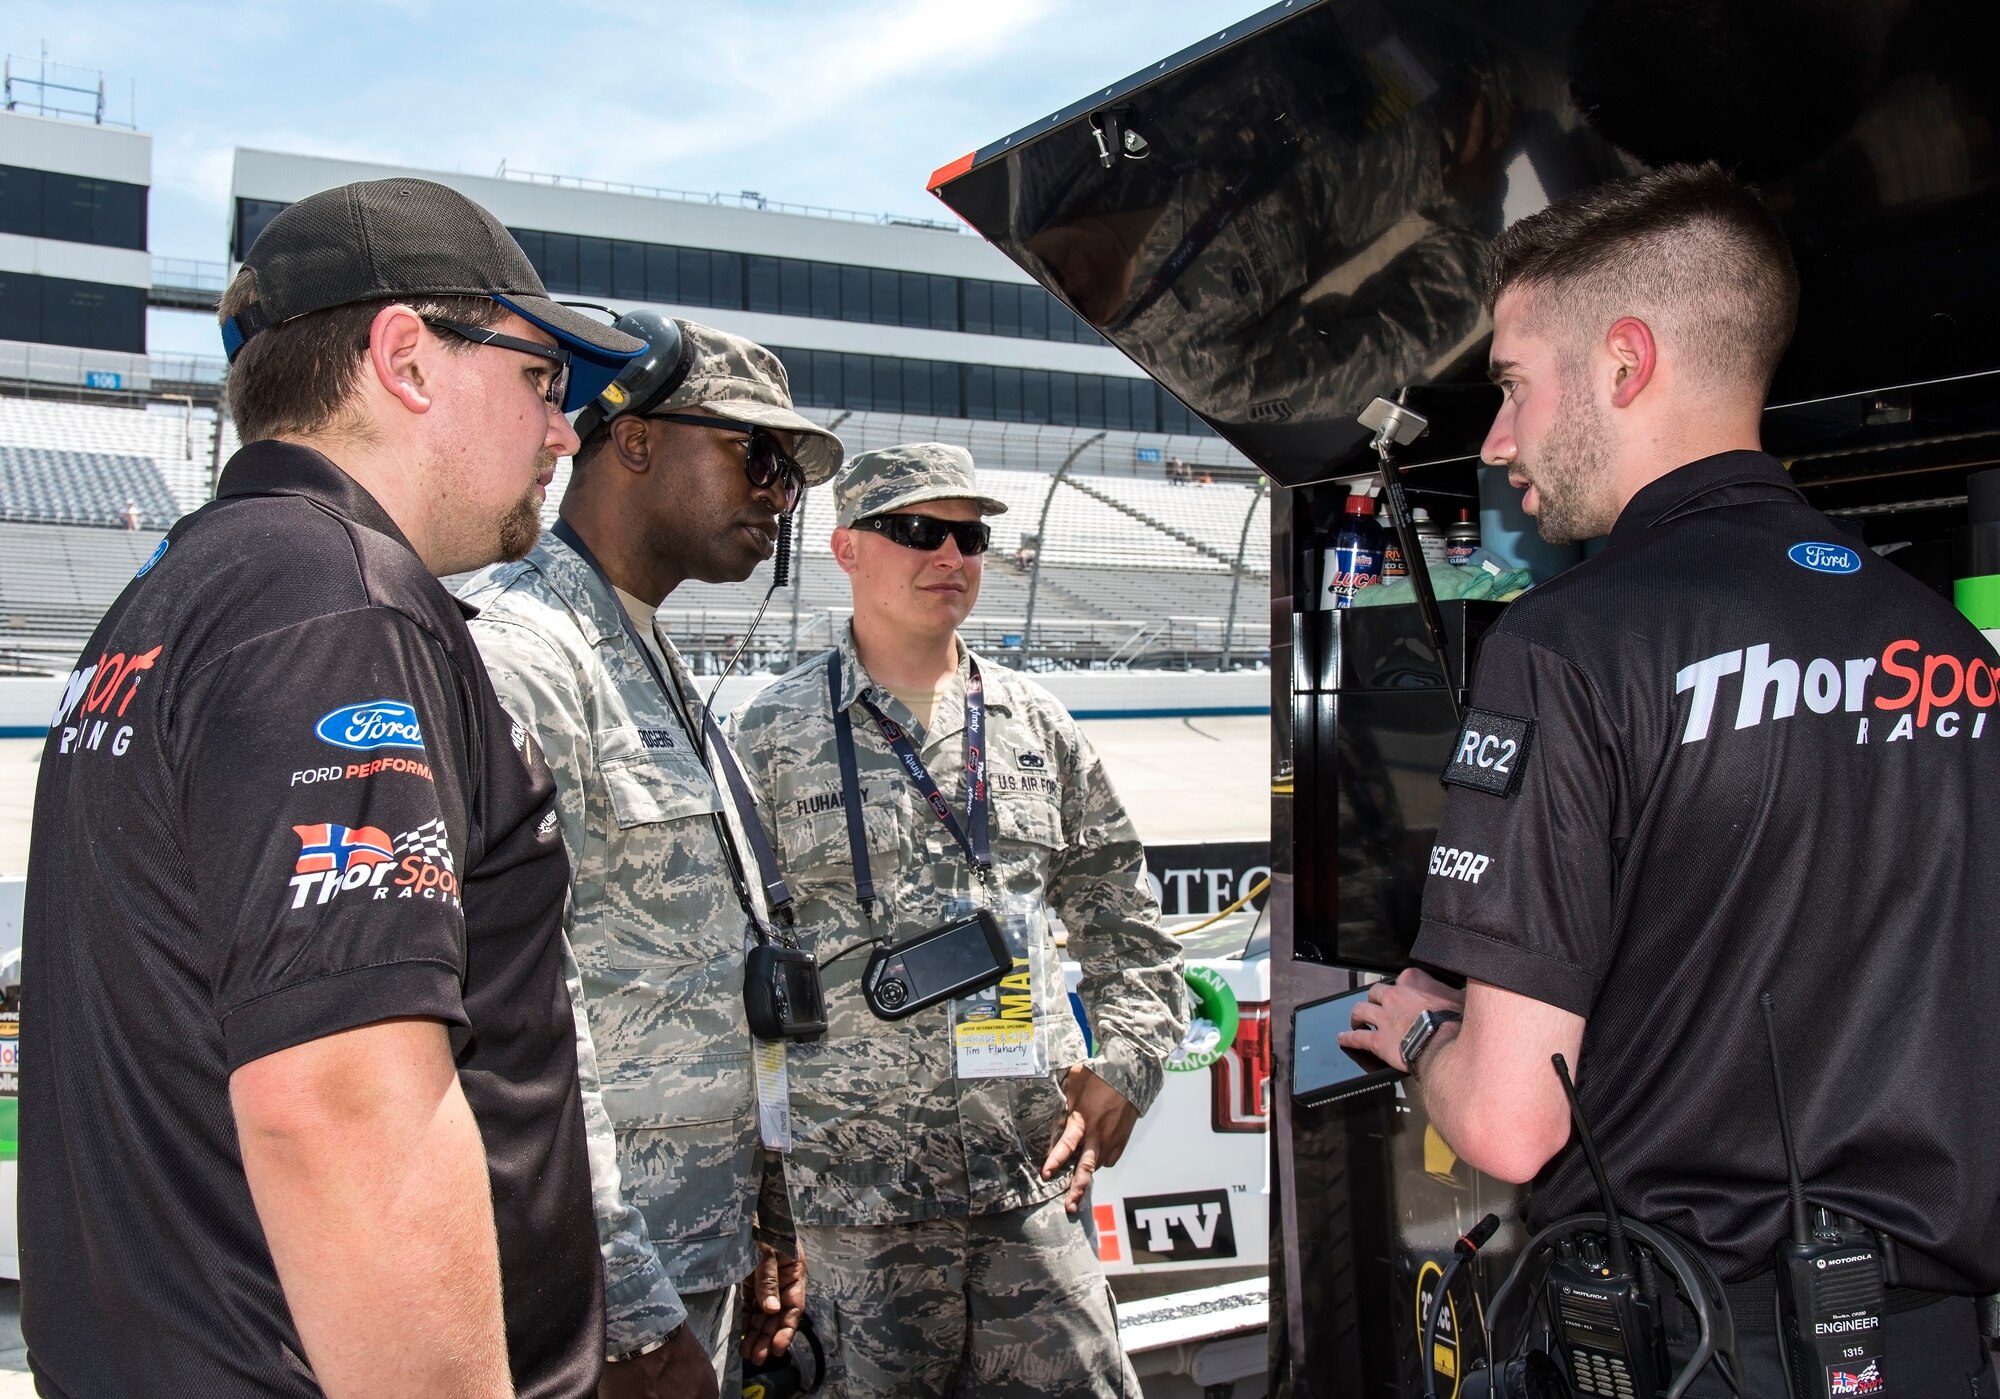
279	800
1739	752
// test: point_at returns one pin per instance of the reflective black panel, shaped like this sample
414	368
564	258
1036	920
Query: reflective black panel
1292	216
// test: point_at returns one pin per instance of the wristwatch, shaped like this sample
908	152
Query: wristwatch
1422	1030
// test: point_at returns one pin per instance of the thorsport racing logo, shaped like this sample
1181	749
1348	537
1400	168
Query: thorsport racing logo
1865	1379
335	859
1939	694
95	695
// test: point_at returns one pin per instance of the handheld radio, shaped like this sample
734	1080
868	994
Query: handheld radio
1829	1283
1608	1326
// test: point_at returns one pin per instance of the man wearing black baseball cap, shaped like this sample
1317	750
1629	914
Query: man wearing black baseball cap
304	1115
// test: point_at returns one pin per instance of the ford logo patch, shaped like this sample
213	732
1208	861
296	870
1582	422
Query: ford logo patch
377	724
1825	558
158	553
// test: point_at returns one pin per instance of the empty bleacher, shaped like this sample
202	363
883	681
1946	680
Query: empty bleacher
1133	568
55	582
57	486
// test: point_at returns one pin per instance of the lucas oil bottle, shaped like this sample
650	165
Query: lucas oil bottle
1355	560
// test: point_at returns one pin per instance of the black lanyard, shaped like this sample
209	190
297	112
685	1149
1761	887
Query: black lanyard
972	837
777	895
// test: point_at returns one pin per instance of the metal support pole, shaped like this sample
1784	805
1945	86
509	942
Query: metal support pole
1236	576
799	553
1042	543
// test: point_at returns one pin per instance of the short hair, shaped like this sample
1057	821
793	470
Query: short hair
1689	249
297	376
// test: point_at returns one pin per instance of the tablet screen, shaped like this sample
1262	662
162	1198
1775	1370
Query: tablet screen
1323	1072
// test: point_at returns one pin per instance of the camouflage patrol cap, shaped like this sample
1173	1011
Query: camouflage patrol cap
874	483
733	378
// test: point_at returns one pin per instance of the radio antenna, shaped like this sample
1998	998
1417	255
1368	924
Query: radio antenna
1621	1257
1800	1233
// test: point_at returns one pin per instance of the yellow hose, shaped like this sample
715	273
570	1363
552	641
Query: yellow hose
1214	918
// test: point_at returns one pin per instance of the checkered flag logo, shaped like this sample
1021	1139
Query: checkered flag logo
428	842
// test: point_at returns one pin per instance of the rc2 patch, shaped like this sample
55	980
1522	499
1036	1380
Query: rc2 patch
1492	749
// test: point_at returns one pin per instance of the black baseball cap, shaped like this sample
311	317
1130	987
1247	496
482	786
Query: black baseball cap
413	238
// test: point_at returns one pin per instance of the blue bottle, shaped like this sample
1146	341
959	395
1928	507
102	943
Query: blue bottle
1355	560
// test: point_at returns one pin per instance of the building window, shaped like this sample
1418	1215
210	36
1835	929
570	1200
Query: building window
628	269
73	208
251	216
59	311
982	392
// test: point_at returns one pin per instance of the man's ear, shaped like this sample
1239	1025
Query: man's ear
1634	355
846	552
629	442
397	350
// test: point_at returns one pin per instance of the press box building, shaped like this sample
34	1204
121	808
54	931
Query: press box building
906	326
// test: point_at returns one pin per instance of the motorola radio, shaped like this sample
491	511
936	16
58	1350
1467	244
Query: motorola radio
1604	1284
1608	1326
1829	1283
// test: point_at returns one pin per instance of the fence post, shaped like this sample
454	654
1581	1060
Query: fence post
1236	575
798	527
1042	546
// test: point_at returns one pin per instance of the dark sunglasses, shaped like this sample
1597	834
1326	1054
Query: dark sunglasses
558	386
765	460
927	533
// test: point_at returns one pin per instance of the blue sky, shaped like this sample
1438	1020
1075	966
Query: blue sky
847	103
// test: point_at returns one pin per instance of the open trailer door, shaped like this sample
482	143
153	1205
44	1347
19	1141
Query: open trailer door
1287	220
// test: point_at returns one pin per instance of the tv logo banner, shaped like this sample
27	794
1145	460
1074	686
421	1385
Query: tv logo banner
1177	1228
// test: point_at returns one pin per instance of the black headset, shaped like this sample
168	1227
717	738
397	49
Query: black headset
644	381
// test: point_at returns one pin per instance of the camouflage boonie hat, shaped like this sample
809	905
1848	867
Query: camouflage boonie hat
874	483
738	378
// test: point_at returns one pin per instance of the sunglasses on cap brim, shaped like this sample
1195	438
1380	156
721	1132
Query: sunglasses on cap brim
765	460
927	533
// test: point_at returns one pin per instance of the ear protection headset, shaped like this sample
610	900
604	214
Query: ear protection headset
646	381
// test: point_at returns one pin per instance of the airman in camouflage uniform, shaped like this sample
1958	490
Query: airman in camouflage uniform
941	1257
656	919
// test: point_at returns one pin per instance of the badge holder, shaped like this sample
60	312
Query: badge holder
998	1032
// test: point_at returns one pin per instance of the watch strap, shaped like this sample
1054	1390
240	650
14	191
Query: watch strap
1424	1030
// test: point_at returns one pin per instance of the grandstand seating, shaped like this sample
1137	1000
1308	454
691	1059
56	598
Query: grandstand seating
1133	568
82	488
55	582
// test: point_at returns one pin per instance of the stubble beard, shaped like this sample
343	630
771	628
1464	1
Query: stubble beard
521	526
1570	471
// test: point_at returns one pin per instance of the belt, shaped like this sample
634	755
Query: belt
1753	1301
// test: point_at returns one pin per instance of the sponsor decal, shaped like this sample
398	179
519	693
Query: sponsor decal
1492	749
1033	761
349	772
548	826
1849	1378
94	697
517	736
1825	558
376	724
1239	1082
1939	694
338	860
1176	1228
1449	862
1105	1217
159	552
